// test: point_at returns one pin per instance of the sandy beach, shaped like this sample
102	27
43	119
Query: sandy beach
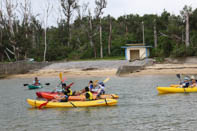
168	69
107	69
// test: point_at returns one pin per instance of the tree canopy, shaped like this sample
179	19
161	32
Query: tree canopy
21	39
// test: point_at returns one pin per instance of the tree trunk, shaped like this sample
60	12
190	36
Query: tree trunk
155	35
143	32
90	34
187	30
110	37
68	29
101	41
7	55
182	38
45	44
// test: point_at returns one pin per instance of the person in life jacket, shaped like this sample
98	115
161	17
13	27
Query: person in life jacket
60	98
91	85
88	94
193	82
36	82
63	97
185	83
66	90
101	89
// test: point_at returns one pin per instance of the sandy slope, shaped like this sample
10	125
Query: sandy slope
108	68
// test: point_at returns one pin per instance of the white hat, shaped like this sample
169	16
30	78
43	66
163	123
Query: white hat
192	77
186	78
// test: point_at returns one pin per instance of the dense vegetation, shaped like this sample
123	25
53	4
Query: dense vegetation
87	34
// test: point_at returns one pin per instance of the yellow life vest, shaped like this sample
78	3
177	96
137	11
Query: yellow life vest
70	94
90	96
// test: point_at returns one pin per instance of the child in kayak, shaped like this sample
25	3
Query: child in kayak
185	83
36	82
90	84
193	82
63	96
66	90
101	89
88	94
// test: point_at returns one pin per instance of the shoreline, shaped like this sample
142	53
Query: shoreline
157	69
71	73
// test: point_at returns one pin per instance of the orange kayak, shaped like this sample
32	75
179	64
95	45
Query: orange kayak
50	96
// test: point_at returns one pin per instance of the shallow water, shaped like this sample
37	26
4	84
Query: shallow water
139	107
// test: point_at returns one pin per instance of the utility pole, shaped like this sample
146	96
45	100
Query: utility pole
143	32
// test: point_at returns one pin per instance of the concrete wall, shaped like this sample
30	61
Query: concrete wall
134	66
125	70
20	67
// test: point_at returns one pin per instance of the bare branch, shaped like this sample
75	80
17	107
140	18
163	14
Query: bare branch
100	5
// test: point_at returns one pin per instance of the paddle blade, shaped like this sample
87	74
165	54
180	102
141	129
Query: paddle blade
60	76
42	105
106	80
47	84
25	84
178	75
95	83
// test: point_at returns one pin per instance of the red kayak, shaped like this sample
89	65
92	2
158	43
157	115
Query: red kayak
52	95
39	94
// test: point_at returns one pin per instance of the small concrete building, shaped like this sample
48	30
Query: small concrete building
136	51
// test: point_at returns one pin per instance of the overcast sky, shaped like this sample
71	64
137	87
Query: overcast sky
118	8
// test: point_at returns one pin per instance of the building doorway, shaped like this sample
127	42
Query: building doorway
134	55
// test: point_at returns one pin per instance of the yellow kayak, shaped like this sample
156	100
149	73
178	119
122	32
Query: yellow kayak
173	85
164	90
100	102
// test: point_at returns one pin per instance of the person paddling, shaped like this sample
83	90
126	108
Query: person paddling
36	82
66	90
193	82
88	94
185	83
63	96
90	85
101	89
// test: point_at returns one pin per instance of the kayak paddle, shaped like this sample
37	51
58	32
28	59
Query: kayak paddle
62	81
96	81
43	104
60	76
70	85
32	84
106	80
179	76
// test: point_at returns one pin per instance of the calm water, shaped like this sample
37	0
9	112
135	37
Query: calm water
139	107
